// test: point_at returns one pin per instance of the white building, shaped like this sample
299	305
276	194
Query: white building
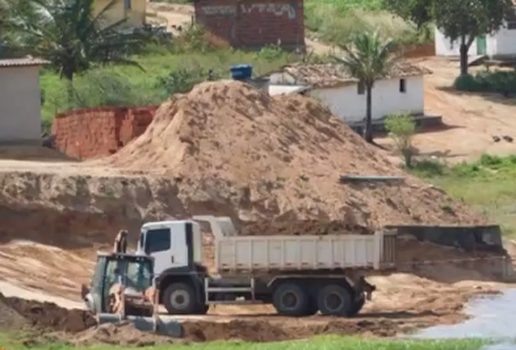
20	101
402	90
500	44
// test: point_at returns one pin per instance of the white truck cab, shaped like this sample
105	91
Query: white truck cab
173	244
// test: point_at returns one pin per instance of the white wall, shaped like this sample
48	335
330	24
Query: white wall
345	102
504	42
501	43
20	105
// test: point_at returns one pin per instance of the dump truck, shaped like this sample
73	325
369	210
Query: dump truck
298	275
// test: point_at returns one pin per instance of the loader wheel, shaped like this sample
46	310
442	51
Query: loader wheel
289	299
357	305
180	299
334	300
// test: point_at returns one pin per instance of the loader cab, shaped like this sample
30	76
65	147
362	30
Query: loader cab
175	245
133	271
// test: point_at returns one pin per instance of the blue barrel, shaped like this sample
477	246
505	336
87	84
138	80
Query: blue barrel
241	71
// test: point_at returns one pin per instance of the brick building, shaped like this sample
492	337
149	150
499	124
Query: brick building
253	24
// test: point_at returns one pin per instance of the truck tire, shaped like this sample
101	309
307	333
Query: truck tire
334	300
357	305
289	299
180	299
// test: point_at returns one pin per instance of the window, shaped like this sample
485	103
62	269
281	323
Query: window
157	241
128	4
360	88
403	85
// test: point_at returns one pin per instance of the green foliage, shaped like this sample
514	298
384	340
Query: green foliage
487	185
487	81
367	56
68	34
401	129
325	342
142	87
337	25
184	79
416	11
470	18
193	40
271	52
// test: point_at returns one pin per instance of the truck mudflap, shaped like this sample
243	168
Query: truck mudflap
362	286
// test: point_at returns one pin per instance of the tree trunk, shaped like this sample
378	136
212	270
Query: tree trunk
368	130
69	88
464	59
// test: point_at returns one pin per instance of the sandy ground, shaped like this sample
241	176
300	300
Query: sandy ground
404	301
471	119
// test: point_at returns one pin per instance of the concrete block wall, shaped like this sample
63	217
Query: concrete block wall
96	132
254	23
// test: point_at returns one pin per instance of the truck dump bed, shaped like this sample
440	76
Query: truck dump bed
291	253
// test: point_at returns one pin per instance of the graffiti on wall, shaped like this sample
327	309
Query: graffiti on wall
216	10
275	9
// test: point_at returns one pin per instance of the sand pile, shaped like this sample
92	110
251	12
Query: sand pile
16	314
234	150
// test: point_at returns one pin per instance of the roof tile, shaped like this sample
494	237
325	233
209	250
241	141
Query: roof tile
22	62
333	74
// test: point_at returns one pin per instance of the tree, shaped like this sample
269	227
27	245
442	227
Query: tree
66	33
460	21
401	129
465	20
368	57
420	12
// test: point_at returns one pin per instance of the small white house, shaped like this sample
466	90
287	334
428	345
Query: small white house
401	90
500	44
20	101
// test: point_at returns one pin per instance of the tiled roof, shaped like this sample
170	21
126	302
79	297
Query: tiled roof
22	62
333	74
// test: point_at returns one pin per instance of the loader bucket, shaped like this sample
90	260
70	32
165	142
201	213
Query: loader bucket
171	328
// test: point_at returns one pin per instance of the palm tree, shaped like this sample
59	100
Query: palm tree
368	57
66	33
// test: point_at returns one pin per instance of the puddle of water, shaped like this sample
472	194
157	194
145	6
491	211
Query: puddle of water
492	317
500	347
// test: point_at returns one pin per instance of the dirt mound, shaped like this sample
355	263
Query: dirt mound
234	150
45	316
124	334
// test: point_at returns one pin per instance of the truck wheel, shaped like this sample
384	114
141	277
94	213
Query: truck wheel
334	300
180	299
357	305
289	299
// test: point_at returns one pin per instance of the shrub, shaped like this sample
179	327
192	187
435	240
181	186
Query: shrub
487	81
184	79
401	129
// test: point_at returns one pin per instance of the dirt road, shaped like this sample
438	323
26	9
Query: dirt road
471	119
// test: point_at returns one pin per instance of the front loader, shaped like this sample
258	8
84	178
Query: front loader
123	289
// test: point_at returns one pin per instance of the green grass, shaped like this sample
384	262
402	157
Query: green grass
138	87
318	343
488	185
334	21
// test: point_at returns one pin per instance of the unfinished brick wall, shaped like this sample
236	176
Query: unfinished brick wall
96	132
254	23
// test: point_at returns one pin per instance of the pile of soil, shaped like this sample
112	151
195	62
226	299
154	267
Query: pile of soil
20	313
123	334
275	163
